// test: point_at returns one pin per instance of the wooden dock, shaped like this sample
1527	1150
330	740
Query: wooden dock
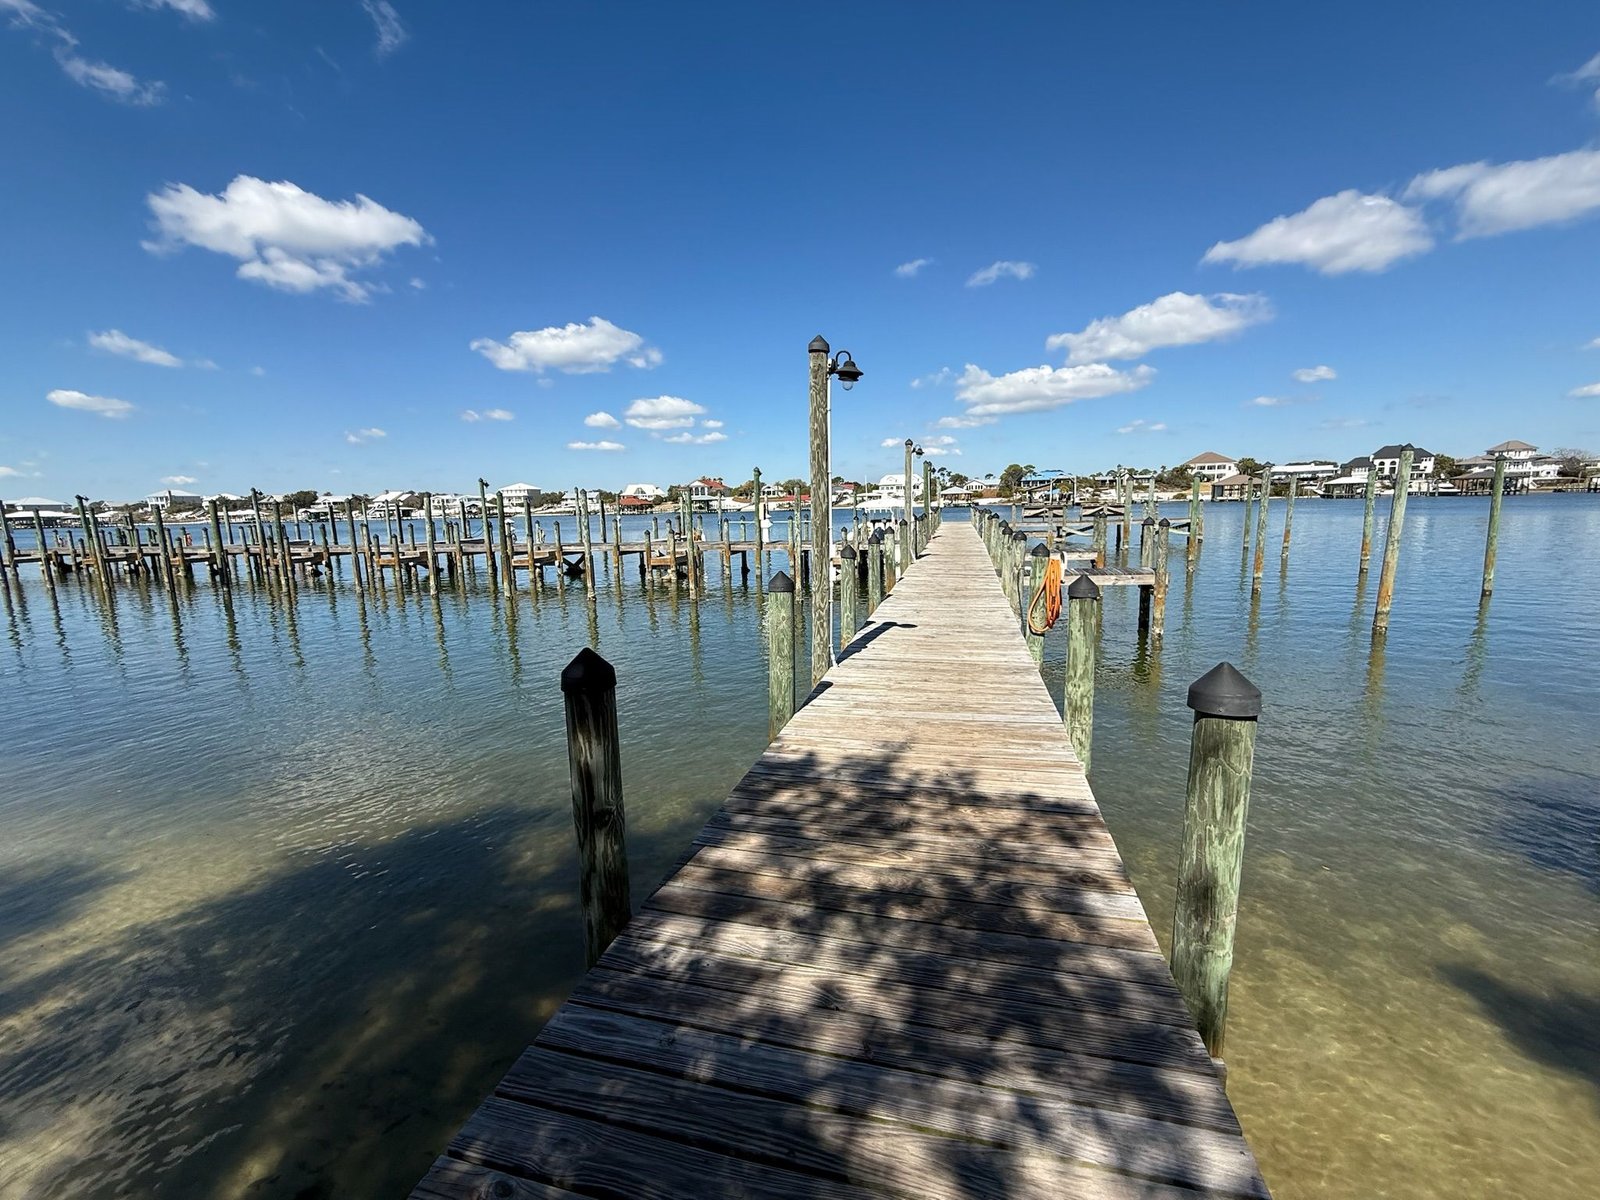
904	959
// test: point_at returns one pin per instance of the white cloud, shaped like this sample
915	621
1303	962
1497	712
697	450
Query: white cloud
935	451
579	348
1269	402
195	10
391	33
362	436
704	439
489	414
890	442
595	446
114	341
9	473
283	236
663	412
908	270
1345	423
1345	232
942	376
602	420
1592	389
1038	389
1585	76
420	284
258	372
708	423
1315	374
105	406
1004	269
1142	426
1176	319
967	422
1517	195
112	81
940	440
179	480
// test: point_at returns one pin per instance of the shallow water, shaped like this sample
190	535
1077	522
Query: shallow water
284	887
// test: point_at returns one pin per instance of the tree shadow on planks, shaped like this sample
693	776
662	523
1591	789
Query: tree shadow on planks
875	979
318	1032
1557	1027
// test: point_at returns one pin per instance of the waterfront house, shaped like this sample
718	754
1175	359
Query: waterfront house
1212	467
1234	487
1386	461
173	498
648	492
516	493
1514	451
706	493
1046	482
1309	474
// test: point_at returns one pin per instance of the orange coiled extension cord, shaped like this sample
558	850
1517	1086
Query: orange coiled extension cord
1049	597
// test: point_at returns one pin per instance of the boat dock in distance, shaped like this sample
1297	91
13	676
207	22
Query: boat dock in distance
904	959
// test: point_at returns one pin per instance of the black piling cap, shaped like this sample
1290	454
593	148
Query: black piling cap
1148	521
1083	588
819	345
902	520
1039	551
877	537
1165	524
847	552
588	674
1005	526
780	583
1223	692
1018	536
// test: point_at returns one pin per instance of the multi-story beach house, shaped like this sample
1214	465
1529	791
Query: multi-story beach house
1386	462
1211	467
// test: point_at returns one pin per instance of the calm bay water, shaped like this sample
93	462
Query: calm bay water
284	887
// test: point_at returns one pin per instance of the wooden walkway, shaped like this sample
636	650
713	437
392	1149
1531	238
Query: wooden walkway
904	959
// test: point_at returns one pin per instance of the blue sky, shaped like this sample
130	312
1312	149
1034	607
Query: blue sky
357	245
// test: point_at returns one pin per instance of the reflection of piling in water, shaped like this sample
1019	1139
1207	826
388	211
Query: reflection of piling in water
1391	543
1221	756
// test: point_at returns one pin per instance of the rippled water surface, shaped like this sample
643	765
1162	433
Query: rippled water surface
285	886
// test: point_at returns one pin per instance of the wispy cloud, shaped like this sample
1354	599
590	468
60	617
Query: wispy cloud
595	446
1039	389
1004	269
179	480
909	270
391	31
1499	198
693	439
659	413
602	420
962	422
938	378
1315	374
1592	389
1345	423
362	436
1269	402
195	10
1586	76
114	341
104	406
1176	319
488	414
1346	232
1140	425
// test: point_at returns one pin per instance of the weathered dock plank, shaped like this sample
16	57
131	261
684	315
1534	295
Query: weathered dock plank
904	959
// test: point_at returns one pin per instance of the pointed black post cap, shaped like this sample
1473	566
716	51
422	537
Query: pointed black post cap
848	552
1018	536
1148	521
1164	523
877	537
902	521
1223	692
588	674
1083	588
819	345
780	583
1039	551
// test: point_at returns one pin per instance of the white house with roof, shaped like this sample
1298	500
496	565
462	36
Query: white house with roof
1514	451
1386	461
516	493
1306	473
174	496
644	491
1212	467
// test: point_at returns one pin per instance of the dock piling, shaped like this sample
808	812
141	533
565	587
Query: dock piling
1491	546
780	652
1391	543
1221	752
1371	497
1158	616
874	571
1077	707
848	578
594	757
1038	561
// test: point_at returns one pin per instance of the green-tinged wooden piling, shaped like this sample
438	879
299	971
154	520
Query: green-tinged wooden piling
488	544
432	548
91	537
261	535
1288	514
1370	498
508	573
874	571
1158	593
889	563
355	546
1099	543
907	554
780	652
164	552
280	543
594	756
1038	566
220	566
1015	566
1391	543
588	543
1249	495
1261	532
1077	706
821	511
761	537
849	566
46	564
1221	752
1147	540
1491	546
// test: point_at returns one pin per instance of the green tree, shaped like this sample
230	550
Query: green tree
1249	466
304	498
1445	466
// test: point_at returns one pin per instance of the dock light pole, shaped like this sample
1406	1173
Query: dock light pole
823	368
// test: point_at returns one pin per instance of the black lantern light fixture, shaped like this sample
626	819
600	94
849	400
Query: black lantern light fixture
844	366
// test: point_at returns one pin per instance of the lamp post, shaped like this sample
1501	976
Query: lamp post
822	367
911	448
